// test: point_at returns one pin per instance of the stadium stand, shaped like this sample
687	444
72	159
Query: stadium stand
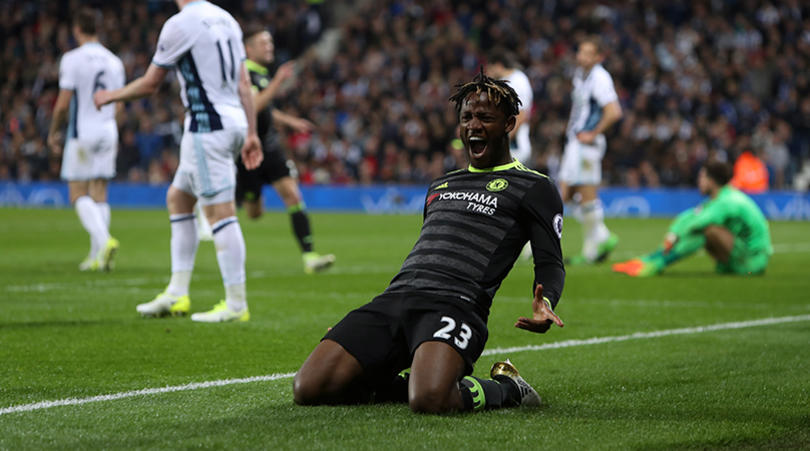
696	79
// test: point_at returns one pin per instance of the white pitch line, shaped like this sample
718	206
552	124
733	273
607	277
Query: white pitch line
643	335
44	287
791	248
51	286
145	391
272	377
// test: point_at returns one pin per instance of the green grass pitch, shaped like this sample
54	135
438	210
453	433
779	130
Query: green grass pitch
65	334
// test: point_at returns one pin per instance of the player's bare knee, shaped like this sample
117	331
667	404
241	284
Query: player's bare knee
291	199
179	201
306	391
712	232
719	233
253	209
430	406
433	400
719	242
77	190
302	392
315	384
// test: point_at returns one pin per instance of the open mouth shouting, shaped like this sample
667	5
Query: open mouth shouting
478	146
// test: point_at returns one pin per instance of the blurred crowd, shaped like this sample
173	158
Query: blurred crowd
696	80
35	34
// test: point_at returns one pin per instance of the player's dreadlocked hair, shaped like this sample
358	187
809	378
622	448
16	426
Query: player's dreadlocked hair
499	92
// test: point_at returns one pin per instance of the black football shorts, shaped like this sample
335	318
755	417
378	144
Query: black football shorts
274	167
384	334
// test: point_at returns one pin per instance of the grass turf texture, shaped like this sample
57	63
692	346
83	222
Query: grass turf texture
67	334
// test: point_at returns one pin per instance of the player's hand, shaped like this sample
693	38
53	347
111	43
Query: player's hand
55	143
285	71
101	98
252	155
542	315
669	241
587	137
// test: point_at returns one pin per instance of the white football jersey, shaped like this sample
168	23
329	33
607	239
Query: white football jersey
589	96
203	43
85	70
522	150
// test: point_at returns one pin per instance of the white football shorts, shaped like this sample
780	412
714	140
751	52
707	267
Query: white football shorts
582	163
90	158
207	169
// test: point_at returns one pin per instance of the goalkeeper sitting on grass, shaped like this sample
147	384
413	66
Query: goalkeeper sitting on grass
728	224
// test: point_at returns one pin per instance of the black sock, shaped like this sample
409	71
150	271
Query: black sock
511	391
300	225
396	390
480	394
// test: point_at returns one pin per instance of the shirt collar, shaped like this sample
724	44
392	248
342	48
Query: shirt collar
253	66
502	167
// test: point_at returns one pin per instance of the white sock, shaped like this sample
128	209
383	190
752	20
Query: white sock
179	283
594	230
230	245
92	221
235	297
104	208
183	250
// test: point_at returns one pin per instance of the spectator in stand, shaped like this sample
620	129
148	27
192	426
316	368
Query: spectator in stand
148	142
750	174
690	77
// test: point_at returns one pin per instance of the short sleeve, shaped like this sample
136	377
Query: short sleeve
67	77
173	42
603	90
119	77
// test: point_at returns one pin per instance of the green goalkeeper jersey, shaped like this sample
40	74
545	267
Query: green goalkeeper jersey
733	210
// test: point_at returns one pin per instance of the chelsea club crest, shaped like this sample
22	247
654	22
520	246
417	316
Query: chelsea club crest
497	185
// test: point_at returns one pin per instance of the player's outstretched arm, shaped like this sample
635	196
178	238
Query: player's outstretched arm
298	124
262	98
542	315
143	86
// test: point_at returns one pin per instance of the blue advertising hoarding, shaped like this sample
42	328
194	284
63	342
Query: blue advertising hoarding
388	199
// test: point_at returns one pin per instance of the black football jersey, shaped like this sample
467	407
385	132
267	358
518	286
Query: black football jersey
476	223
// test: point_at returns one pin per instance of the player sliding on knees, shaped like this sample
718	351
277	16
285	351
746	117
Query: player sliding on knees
432	318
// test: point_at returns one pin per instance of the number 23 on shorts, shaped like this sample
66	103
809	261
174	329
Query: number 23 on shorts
462	338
